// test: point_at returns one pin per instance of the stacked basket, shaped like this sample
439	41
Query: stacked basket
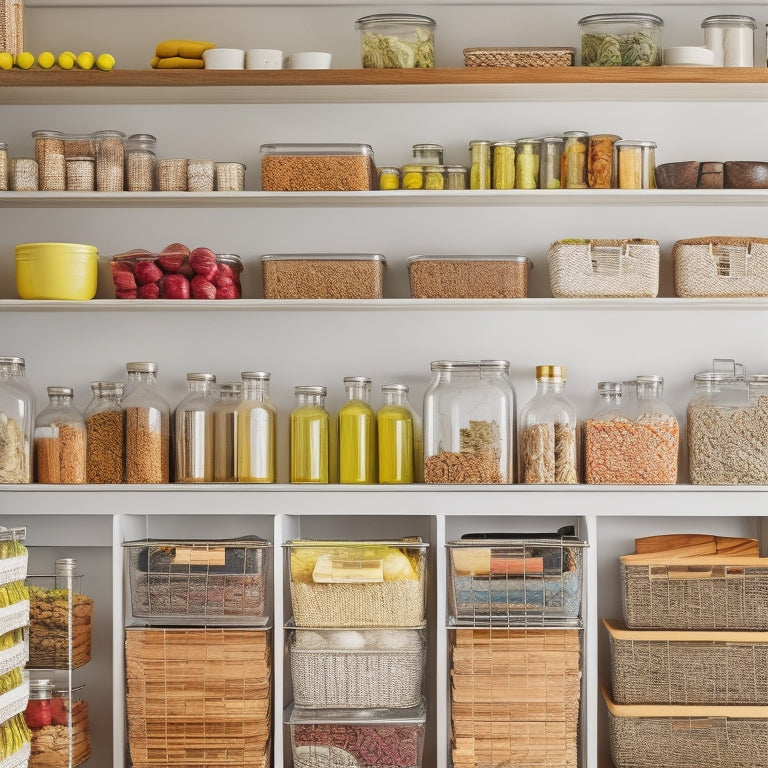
690	674
198	688
515	613
357	653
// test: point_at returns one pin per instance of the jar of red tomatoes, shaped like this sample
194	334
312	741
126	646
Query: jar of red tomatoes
38	713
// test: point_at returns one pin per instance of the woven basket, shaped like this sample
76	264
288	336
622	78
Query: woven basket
51	747
721	267
648	736
668	667
519	57
704	592
12	26
604	268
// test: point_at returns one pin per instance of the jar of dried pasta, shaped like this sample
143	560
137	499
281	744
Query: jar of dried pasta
60	439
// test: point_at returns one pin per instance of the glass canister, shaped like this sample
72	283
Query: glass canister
412	176
140	153
389	177
601	161
527	160
455	176
225	432
636	164
24	174
256	430
51	165
110	161
731	38
17	406
230	176
547	442
596	440
357	433
3	166
428	154
310	444
39	712
480	164
573	174
550	162
469	413
621	40
60	440
81	174
193	433
147	426
200	175
503	164
395	433
105	433
433	177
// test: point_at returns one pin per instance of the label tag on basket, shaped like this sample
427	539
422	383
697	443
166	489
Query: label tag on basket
730	260
199	556
606	259
330	570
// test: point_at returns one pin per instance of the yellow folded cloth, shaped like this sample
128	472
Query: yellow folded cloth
185	49
177	62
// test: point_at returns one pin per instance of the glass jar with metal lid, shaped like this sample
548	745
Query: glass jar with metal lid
396	41
547	432
433	177
256	430
140	153
480	164
110	161
17	418
469	416
396	437
39	712
731	38
412	176
428	154
193	433
636	164
527	158
60	439
51	163
389	177
310	432
503	163
550	162
455	176
573	174
105	433
621	40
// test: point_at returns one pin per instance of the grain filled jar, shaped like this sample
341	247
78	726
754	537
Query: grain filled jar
469	412
256	430
310	433
480	164
527	158
140	153
193	430
147	426
60	440
105	433
81	174
17	416
550	162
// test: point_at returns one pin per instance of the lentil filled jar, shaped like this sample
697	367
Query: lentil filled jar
60	440
105	433
469	413
193	433
311	444
17	406
147	426
256	430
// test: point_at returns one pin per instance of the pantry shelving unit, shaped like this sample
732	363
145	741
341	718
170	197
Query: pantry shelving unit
702	114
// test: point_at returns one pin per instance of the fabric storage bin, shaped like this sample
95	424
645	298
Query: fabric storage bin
506	580
213	582
604	268
357	583
688	667
721	267
647	735
366	669
700	592
357	738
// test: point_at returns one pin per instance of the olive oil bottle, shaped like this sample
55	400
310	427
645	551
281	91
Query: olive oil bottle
310	436
394	426
357	433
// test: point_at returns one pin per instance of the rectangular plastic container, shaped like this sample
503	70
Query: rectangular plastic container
195	582
357	583
357	738
706	592
468	277
604	268
323	275
515	581
318	168
363	668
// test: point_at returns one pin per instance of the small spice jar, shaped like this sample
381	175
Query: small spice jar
200	175
731	38
81	174
105	433
428	154
412	176
24	174
256	430
602	165
636	164
49	154
60	440
193	432
389	177
527	163
310	437
172	174
140	151
550	162
503	162
455	176
230	177
574	163
480	164
433	177
3	166
110	161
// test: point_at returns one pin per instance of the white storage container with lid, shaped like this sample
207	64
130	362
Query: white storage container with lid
731	38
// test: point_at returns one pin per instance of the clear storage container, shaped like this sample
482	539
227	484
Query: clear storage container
389	177
17	419
396	41
140	153
396	439
105	433
480	164
602	162
636	164
193	431
428	154
469	412
527	163
357	433
256	430
357	584
731	38
550	162
620	40
310	437
574	161
60	439
51	165
110	161
503	162
225	432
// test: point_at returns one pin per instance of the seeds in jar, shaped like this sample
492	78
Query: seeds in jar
307	173
478	461
104	452
146	448
61	457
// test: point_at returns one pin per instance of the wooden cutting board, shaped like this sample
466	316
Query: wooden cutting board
693	544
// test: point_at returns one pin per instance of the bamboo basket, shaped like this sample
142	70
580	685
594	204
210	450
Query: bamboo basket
12	26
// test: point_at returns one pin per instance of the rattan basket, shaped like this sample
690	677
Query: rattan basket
648	735
604	268
688	667
519	57
721	267
12	26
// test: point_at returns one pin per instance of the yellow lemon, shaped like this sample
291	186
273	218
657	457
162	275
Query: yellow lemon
6	60
25	60
46	59
67	60
105	61
85	60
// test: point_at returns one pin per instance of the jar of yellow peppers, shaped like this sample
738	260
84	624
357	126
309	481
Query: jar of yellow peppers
503	162
527	163
389	177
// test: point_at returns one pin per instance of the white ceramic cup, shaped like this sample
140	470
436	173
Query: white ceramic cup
263	58
310	60
224	58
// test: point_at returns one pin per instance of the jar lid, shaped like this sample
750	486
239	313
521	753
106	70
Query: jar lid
12	361
108	134
3	145
479	143
552	140
302	390
728	20
609	388
575	134
551	372
529	140
454	365
41	689
504	144
255	376
141	367
60	391
107	386
141	137
392	169
357	380
621	18
455	168
65	566
427	147
635	143
758	378
395	388
46	134
650	379
210	377
710	377
231	388
395	18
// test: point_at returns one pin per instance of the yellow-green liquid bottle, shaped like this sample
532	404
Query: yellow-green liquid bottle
394	426
256	430
357	433
310	436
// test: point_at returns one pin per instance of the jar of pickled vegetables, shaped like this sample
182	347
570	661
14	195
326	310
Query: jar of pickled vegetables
550	161
389	177
310	432
428	154
412	176
480	164
527	163
455	176
503	162
433	177
602	166
574	161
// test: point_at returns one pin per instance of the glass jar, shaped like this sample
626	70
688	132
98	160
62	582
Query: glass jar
433	177
200	175
412	176
256	430
140	153
573	174
455	176
60	440
396	439
39	713
110	161
550	162
396	41
527	163
147	426
105	433
637	164
51	165
503	163
547	443
24	174
357	433
230	176
193	433
731	38
171	174
17	406
225	432
389	177
428	154
621	40
480	164
469	412
81	174
310	444
601	161
3	166
608	413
